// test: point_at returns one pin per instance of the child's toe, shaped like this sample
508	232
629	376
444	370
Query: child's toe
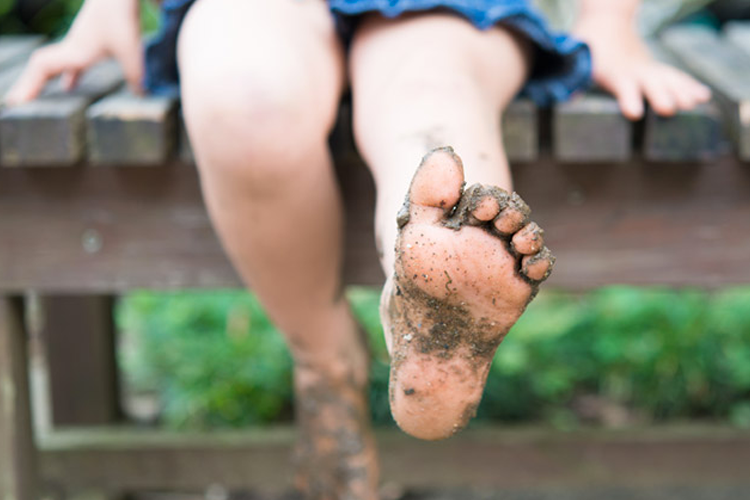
438	181
513	217
486	209
539	266
529	240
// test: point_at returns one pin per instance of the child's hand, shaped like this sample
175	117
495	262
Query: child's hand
623	65
103	28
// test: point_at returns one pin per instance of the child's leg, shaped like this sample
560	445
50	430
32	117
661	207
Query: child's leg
261	83
421	82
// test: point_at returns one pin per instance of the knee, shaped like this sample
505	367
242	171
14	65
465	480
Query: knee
253	118
257	130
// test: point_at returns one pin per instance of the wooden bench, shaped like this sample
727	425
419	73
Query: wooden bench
99	196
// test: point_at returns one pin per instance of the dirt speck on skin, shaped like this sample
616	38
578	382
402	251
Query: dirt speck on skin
402	218
409	392
451	327
470	201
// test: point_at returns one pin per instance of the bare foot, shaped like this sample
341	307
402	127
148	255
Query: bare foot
336	457
467	265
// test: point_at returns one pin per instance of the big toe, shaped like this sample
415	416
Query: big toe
439	180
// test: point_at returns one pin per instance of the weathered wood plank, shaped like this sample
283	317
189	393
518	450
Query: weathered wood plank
738	34
722	66
16	48
185	150
591	129
131	130
688	136
106	230
8	76
17	453
482	458
50	131
78	336
521	131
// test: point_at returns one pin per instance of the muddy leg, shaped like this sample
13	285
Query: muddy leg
258	120
456	284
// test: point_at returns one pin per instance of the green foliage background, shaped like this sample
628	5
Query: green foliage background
54	17
216	360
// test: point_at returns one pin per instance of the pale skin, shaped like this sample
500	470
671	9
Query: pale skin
259	118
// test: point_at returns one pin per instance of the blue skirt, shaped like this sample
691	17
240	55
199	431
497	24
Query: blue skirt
562	64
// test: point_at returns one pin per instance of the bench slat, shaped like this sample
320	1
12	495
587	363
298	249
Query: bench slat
50	131
112	230
722	66
738	34
17	453
8	76
521	131
84	392
126	129
688	136
15	48
589	129
516	459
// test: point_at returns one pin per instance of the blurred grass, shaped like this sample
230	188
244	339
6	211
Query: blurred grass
649	355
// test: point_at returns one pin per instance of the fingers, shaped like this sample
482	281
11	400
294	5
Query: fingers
627	91
69	79
45	64
659	93
666	89
687	91
70	59
669	90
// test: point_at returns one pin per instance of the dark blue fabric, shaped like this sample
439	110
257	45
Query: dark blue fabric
562	64
161	76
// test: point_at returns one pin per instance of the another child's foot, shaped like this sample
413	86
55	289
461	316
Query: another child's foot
467	265
336	457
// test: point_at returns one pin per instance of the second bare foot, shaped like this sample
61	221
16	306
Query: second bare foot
467	265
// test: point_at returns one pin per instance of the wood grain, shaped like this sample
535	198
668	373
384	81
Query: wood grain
519	458
722	66
107	230
737	33
78	336
688	136
521	131
50	130
126	129
591	129
17	48
17	452
697	135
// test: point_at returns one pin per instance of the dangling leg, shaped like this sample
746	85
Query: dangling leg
261	83
460	278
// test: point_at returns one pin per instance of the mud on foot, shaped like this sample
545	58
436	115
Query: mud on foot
335	458
467	265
